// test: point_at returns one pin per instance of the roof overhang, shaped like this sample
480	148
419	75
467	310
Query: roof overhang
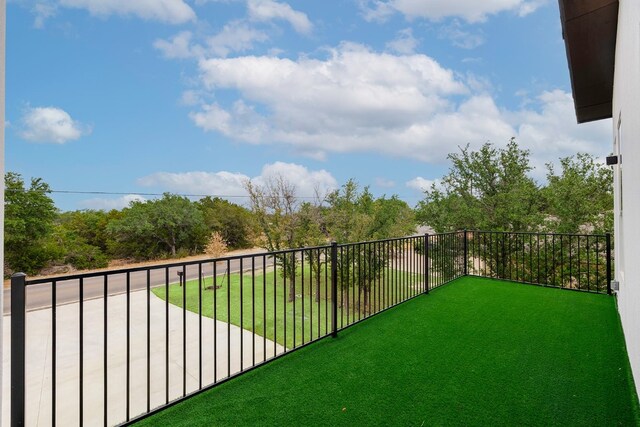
589	30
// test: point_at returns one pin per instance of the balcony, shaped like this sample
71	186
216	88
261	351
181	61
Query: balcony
474	352
434	329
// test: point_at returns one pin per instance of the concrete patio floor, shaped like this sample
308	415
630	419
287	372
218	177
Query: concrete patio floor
39	359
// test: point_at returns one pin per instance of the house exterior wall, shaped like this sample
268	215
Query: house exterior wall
626	142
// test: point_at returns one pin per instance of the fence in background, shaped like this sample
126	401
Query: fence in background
127	343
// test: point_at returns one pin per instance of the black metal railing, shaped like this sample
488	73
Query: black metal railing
570	261
128	343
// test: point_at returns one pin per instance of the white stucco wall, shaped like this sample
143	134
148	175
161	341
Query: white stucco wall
626	112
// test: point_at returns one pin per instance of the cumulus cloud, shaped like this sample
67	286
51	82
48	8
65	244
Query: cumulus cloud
404	43
359	100
231	184
350	101
109	204
307	182
551	130
167	11
198	183
51	124
435	10
241	122
267	10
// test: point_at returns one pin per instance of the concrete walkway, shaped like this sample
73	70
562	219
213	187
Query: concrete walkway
39	359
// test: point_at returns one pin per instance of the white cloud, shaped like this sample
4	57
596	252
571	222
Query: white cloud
51	124
358	100
353	100
43	10
201	183
422	184
375	10
435	10
305	180
235	36
168	11
109	204
191	98
551	130
267	10
404	43
231	185
242	122
178	47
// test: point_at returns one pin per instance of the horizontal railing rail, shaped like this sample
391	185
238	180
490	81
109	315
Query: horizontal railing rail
127	343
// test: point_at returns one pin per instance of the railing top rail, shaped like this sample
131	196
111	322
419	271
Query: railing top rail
393	239
541	233
446	233
115	272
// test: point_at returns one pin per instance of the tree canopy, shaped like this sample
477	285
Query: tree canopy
158	227
492	189
580	198
29	216
488	189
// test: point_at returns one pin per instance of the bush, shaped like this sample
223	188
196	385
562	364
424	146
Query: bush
216	246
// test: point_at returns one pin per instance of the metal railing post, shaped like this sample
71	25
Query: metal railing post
609	278
18	343
426	263
466	255
334	289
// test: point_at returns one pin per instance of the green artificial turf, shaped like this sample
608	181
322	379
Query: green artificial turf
267	310
474	352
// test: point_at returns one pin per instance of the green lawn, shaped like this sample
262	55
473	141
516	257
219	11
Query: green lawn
475	352
267	307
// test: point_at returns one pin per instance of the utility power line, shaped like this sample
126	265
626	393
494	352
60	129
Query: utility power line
136	193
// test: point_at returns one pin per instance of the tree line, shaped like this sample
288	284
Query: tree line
490	189
38	236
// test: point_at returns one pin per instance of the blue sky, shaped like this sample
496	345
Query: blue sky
196	96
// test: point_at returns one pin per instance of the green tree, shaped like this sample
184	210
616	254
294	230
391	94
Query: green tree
234	223
580	196
29	216
488	189
354	215
392	217
311	225
350	213
90	225
82	239
275	207
170	225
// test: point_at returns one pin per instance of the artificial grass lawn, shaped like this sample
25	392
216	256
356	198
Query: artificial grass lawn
474	352
393	287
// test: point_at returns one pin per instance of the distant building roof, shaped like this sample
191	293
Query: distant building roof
589	30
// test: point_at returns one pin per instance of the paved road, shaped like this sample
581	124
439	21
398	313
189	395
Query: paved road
39	296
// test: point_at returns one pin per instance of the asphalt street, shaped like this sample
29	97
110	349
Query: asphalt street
39	296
